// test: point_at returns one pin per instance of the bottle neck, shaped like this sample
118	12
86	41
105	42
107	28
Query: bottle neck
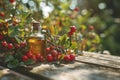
36	29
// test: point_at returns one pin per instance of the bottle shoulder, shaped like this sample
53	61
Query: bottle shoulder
38	35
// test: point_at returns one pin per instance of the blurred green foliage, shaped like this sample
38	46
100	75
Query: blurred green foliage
106	19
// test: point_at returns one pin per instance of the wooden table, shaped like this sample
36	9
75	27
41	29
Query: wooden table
90	66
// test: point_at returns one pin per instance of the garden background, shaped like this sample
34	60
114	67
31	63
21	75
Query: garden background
103	15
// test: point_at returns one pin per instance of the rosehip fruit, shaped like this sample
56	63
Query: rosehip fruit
1	37
91	28
10	46
34	57
49	58
67	58
4	43
29	54
48	50
2	14
70	33
39	57
12	1
72	57
73	29
76	9
23	44
24	58
54	54
17	46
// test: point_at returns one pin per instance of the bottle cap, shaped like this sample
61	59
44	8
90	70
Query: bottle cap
36	25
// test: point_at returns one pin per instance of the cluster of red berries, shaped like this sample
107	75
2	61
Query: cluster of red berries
69	57
10	46
53	55
7	45
30	55
72	30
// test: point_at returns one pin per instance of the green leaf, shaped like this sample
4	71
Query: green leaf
30	61
13	31
21	64
18	39
96	40
74	45
63	39
2	20
9	58
13	64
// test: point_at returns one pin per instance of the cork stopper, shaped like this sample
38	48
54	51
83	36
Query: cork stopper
36	25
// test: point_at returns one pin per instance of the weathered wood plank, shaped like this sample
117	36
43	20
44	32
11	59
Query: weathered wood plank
27	72
6	74
100	59
102	56
76	71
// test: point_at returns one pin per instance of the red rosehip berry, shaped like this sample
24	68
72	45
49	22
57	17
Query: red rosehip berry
48	50
72	57
39	57
10	46
2	14
1	37
29	54
73	29
34	58
67	58
17	46
22	44
70	33
76	9
12	1
49	58
24	58
91	28
54	54
4	43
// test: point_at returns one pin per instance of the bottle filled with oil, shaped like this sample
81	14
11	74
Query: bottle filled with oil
36	40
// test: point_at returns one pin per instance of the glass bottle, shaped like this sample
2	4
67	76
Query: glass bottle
36	40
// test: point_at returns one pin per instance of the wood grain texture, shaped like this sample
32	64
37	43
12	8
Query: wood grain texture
89	66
